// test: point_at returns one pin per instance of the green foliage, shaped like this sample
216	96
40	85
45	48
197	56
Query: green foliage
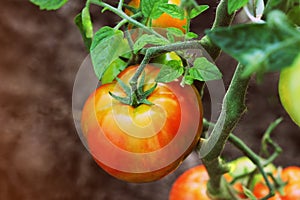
294	15
148	39
49	4
260	47
190	35
198	10
150	8
87	41
283	5
108	45
171	71
203	70
234	5
249	194
87	24
113	70
173	10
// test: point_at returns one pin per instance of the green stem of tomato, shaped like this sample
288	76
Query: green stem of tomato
257	160
232	109
156	50
123	15
222	19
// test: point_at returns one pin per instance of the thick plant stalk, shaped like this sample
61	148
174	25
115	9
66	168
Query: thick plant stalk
222	19
232	109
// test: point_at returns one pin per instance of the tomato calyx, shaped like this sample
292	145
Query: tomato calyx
134	97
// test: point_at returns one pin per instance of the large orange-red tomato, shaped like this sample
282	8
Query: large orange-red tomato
147	142
165	20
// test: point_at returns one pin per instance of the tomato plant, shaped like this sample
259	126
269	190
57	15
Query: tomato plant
141	128
145	119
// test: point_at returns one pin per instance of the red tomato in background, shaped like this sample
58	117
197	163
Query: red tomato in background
191	185
147	142
261	190
291	174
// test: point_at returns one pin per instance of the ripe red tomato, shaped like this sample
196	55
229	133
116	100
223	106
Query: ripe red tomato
143	143
191	185
165	20
261	190
291	174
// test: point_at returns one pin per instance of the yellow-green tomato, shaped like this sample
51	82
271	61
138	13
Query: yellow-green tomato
289	90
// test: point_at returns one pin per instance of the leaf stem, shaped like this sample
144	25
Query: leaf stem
257	160
123	15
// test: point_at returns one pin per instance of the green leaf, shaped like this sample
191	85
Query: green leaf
282	5
107	47
49	4
173	10
101	34
148	39
260	47
150	8
174	32
87	22
113	71
203	70
249	194
198	10
87	41
169	72
294	15
191	35
234	5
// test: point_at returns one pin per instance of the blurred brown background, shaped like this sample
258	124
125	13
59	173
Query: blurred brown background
41	155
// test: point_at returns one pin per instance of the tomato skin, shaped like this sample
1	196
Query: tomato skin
291	191
165	20
261	190
291	174
120	137
191	185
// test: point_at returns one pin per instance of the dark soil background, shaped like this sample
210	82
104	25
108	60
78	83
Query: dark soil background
41	155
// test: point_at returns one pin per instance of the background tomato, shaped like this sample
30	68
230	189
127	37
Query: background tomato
289	90
143	143
191	185
261	190
165	20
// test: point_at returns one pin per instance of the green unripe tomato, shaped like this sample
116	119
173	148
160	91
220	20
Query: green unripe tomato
243	165
289	90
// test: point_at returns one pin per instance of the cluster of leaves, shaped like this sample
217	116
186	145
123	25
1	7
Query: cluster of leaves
112	49
269	46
